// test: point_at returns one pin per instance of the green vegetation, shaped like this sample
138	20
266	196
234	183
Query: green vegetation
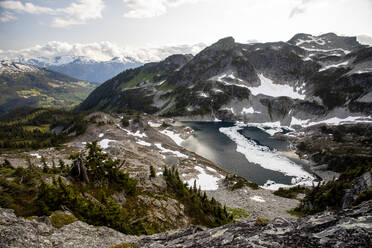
89	187
291	192
139	78
330	195
239	182
60	219
33	128
363	196
203	211
261	221
41	88
237	213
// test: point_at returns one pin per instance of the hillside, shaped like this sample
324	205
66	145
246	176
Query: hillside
309	78
25	85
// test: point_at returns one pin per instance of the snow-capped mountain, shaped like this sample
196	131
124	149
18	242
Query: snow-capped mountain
302	81
94	62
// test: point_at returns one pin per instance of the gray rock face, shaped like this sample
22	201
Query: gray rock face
349	228
20	232
361	184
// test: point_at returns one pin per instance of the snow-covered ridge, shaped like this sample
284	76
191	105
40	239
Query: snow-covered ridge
12	67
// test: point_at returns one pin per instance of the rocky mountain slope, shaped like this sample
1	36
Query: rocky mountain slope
309	78
348	228
25	85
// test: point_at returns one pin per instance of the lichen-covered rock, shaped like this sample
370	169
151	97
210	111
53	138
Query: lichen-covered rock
348	228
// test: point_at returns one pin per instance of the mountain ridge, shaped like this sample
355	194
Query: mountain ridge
281	80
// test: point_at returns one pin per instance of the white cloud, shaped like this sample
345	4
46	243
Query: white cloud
7	17
79	13
100	51
76	13
151	8
27	7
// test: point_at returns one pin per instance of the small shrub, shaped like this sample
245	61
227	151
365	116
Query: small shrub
60	219
363	196
261	221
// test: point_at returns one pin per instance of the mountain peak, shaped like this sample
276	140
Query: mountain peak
224	44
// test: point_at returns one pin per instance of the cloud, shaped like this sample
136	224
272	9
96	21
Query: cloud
99	51
26	8
364	39
151	8
78	12
300	8
7	17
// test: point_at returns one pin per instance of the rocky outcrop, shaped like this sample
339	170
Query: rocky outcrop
360	184
348	228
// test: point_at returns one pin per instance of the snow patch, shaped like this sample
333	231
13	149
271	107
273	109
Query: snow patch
174	136
136	134
165	150
266	158
334	66
204	181
257	198
268	88
249	110
143	143
203	94
105	143
37	155
332	121
153	124
100	135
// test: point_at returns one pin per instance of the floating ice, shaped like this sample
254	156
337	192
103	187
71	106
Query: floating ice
263	156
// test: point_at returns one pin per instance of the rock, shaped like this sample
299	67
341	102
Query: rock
347	228
360	184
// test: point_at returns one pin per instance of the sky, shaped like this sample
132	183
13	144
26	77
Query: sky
119	24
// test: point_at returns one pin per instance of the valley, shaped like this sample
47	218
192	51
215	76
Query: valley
258	144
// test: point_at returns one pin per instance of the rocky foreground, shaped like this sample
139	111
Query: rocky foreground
348	228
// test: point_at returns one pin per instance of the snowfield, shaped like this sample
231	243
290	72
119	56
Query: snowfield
143	143
204	181
105	143
257	198
165	150
331	121
266	158
268	88
174	136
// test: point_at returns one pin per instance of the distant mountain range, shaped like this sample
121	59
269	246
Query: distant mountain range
96	62
25	85
305	79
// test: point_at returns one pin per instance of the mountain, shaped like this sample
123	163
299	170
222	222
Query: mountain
83	68
93	62
307	78
25	85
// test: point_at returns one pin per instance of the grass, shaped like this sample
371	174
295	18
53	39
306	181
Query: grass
139	78
291	193
124	245
237	213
